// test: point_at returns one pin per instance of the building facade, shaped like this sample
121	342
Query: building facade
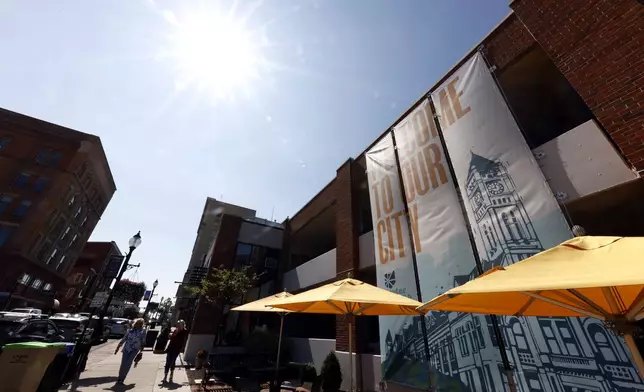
93	272
207	232
571	75
254	243
55	184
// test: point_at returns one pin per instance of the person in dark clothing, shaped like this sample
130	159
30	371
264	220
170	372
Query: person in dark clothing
177	339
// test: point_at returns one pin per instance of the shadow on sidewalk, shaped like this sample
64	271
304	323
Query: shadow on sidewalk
96	381
171	386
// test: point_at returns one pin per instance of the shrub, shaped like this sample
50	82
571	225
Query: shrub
331	373
309	373
202	354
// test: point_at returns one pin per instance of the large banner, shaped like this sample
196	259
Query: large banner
444	256
394	266
513	215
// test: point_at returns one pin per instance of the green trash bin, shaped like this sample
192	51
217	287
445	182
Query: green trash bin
22	365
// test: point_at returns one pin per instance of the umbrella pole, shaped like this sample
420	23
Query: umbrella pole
350	353
635	353
279	350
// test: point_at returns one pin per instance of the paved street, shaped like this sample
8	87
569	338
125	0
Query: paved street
102	370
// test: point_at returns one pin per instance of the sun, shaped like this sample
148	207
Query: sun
216	53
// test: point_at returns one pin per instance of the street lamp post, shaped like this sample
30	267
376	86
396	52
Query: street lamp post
134	242
147	307
82	350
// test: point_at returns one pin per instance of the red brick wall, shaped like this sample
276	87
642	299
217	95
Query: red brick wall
94	255
599	46
313	208
507	42
346	233
208	315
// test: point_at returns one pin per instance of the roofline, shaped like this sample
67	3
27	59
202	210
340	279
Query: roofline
311	200
419	100
78	136
438	83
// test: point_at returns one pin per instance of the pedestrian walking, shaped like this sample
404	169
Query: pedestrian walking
132	343
177	339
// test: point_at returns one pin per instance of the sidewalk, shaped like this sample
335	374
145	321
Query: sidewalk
102	369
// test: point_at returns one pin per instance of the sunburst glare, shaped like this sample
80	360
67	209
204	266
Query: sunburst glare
217	53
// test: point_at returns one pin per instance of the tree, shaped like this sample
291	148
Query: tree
331	373
224	285
165	308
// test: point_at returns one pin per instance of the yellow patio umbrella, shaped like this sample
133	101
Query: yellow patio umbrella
350	297
264	305
600	277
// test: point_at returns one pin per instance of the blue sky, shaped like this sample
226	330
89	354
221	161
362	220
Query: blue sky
182	118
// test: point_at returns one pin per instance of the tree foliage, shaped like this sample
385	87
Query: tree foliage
224	285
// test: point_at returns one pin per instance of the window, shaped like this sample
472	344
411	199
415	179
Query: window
43	252
22	209
78	212
4	142
71	201
52	256
22	180
36	329
78	278
72	243
70	293
60	225
84	221
47	157
242	257
36	284
44	156
5	202
24	279
55	159
5	233
61	262
41	184
65	233
47	287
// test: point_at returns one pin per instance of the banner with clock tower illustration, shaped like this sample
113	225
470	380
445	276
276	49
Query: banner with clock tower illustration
513	215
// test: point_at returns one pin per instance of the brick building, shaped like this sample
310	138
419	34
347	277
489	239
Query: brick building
55	184
90	275
572	75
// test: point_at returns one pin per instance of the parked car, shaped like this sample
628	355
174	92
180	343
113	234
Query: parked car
21	313
119	327
29	330
62	315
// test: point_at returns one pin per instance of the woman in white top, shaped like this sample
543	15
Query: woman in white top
132	343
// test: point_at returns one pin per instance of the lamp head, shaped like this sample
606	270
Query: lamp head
135	241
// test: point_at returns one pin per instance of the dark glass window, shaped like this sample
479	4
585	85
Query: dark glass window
242	256
5	202
41	184
4	142
22	180
5	233
22	208
47	157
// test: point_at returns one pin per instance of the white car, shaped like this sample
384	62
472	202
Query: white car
119	327
21	313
